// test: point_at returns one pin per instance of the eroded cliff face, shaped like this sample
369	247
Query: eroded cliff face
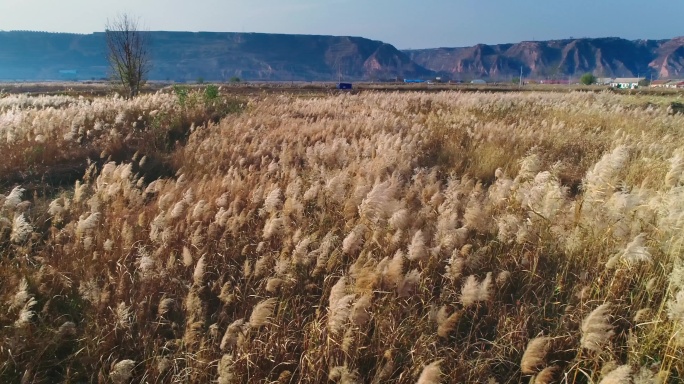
605	57
670	60
218	56
212	56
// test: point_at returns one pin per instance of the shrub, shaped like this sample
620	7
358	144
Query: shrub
588	79
211	93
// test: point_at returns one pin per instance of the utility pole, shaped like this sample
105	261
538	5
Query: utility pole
521	74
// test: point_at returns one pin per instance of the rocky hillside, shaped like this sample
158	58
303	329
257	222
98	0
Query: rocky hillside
218	56
605	57
209	55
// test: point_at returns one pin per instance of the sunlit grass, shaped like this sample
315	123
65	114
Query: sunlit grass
377	237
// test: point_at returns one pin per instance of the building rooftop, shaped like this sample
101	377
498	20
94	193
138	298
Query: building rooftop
627	79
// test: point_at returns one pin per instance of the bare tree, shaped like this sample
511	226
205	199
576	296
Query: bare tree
128	53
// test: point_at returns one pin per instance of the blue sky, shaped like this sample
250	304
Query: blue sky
403	23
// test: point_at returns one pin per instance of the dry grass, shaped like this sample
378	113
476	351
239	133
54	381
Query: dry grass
350	238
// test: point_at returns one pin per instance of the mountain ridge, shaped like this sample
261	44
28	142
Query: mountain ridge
219	56
187	56
604	57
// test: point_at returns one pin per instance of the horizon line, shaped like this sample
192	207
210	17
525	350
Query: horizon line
356	36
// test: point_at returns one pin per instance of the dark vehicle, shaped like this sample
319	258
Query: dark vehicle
344	85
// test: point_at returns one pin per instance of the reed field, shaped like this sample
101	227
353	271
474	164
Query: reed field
448	237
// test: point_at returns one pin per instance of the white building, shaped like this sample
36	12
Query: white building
626	82
659	83
674	84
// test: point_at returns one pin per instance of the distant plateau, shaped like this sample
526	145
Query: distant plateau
219	56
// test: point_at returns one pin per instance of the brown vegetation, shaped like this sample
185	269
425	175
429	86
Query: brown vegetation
376	238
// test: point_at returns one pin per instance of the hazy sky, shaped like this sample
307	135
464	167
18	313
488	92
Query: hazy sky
404	23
